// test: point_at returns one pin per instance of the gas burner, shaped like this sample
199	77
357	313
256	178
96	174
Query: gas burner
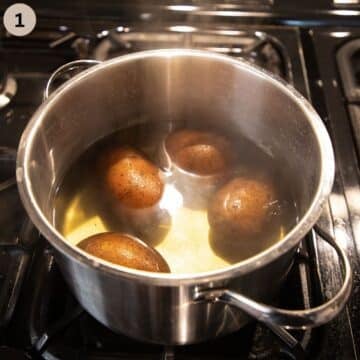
255	46
8	89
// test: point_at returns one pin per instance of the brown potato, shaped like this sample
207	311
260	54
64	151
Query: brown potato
182	138
200	159
242	207
131	178
124	250
200	152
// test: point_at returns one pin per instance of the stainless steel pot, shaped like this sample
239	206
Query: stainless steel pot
168	87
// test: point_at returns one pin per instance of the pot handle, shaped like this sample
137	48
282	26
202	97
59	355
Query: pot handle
70	66
290	319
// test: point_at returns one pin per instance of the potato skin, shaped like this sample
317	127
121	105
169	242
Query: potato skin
124	250
242	208
202	159
200	152
132	179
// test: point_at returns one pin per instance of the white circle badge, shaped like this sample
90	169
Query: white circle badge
19	19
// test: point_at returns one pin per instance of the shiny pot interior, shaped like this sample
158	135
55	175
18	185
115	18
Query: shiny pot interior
172	89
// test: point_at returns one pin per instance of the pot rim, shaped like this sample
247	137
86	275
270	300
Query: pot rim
291	239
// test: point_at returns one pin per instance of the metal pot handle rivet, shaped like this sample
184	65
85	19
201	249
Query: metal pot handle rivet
290	319
73	65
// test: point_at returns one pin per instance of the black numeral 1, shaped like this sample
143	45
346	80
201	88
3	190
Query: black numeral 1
19	20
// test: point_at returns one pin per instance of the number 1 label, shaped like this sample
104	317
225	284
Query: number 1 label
19	19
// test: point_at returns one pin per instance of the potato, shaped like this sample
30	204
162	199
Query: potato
182	138
132	179
201	159
200	152
124	250
242	207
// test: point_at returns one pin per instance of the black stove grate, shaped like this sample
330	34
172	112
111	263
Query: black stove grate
256	47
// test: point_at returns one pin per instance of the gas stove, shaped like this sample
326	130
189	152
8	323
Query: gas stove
39	318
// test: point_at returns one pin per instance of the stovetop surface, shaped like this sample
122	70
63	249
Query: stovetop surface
38	315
